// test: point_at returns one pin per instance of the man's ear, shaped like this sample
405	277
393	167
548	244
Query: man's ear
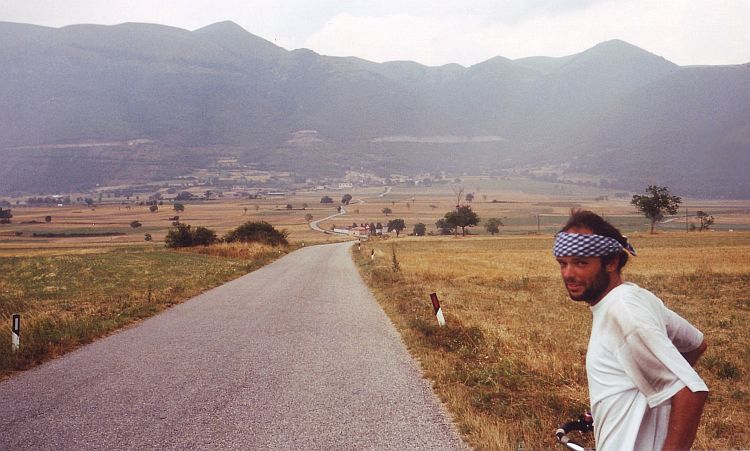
613	264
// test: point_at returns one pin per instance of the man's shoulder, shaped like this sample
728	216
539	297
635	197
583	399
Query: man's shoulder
632	307
629	293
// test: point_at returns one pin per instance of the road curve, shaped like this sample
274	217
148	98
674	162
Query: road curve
296	355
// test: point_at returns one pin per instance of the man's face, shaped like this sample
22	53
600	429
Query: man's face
585	278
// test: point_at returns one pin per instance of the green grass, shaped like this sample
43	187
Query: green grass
67	300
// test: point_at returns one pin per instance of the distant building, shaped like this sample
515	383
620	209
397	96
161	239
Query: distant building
345	185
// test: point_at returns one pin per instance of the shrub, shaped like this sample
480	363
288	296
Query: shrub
179	236
420	229
135	224
182	235
203	236
257	232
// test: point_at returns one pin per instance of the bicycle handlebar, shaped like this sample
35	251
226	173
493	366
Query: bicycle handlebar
584	423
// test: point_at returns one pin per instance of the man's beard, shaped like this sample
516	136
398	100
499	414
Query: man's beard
594	291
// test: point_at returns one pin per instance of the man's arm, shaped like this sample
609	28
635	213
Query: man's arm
687	407
693	355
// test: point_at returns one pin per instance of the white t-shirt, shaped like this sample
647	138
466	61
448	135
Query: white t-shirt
634	368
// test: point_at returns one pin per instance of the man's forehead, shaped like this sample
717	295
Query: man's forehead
582	230
574	258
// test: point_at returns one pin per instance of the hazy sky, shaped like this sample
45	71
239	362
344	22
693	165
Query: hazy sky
437	32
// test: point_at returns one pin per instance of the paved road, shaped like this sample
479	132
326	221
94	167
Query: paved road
296	355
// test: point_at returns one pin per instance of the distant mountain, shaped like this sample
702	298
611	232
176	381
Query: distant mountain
615	110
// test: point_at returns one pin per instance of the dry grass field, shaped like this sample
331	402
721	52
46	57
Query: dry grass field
510	363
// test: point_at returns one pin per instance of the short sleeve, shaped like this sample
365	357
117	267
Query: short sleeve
656	366
683	335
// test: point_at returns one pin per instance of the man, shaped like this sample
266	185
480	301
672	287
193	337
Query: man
644	392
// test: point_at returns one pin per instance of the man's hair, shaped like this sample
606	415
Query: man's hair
597	224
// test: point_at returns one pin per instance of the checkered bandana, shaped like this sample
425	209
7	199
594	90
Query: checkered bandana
585	245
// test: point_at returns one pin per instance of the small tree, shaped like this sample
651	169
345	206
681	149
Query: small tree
420	229
153	208
5	216
326	200
444	227
147	237
462	217
48	218
493	225
470	197
705	219
346	198
178	207
386	211
655	203
135	224
396	225
308	217
289	206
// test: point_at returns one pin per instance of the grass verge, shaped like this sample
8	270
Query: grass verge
70	299
510	363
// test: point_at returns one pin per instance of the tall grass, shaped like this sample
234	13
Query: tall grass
510	363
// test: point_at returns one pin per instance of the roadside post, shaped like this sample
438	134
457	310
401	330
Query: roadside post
438	310
16	331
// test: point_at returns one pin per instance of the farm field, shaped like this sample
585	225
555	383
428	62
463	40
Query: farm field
524	206
510	363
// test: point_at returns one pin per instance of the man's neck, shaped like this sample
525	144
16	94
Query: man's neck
615	281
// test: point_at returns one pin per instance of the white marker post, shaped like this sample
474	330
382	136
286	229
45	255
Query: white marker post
438	310
16	329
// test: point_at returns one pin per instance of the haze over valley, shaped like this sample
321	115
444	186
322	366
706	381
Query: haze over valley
87	104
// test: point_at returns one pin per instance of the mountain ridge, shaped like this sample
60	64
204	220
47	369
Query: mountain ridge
220	85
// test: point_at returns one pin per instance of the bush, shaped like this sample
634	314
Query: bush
135	224
179	236
203	236
420	229
258	232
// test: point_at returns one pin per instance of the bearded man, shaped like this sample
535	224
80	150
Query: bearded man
644	393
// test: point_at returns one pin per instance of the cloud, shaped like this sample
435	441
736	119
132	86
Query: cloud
683	31
436	32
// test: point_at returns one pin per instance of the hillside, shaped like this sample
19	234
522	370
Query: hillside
615	110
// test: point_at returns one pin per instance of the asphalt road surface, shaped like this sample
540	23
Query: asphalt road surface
296	355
